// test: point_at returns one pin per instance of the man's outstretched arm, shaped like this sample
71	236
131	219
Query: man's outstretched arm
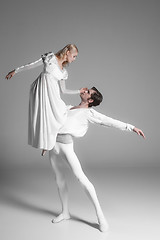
139	132
96	117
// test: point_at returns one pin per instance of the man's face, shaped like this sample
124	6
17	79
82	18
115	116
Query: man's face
86	95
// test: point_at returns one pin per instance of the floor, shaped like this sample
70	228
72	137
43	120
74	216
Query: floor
129	197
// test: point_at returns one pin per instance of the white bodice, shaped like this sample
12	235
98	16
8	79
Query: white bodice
51	66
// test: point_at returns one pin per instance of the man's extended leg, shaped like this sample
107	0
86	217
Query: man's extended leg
69	154
55	159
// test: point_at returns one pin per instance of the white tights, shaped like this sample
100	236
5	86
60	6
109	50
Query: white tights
66	151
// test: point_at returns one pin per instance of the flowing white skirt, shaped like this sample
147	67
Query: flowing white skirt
47	112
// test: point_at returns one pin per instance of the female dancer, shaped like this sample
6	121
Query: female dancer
47	111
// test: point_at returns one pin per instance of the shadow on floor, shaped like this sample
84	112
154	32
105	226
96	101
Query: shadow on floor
94	225
13	200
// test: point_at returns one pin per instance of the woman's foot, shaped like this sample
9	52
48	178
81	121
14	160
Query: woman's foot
43	152
61	217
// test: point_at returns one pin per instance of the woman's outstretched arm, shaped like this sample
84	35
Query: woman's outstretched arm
24	67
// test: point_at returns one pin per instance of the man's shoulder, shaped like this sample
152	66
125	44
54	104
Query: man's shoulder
96	114
93	111
69	107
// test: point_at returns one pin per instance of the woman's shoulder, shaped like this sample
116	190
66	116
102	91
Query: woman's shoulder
51	59
47	56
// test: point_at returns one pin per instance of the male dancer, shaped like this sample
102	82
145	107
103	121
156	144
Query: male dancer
76	125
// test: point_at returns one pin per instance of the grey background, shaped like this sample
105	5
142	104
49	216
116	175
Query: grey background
118	45
119	53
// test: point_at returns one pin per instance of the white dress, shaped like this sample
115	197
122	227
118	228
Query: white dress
47	111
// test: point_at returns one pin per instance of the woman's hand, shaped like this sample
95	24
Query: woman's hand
10	74
82	90
139	132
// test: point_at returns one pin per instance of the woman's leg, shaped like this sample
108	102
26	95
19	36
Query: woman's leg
55	159
74	163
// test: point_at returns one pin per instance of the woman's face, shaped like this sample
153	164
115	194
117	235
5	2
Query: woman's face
71	56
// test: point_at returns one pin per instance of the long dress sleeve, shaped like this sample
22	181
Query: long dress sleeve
96	117
62	84
34	64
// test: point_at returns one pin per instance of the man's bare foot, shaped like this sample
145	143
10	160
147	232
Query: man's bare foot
103	225
61	217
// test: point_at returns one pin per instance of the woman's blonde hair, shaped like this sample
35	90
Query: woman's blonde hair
61	53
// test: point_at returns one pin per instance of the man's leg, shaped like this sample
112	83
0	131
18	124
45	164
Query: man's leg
55	159
70	156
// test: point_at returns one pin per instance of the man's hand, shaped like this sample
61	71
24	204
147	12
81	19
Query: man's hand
139	132
10	74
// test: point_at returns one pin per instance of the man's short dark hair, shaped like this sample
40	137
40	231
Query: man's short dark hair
96	96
